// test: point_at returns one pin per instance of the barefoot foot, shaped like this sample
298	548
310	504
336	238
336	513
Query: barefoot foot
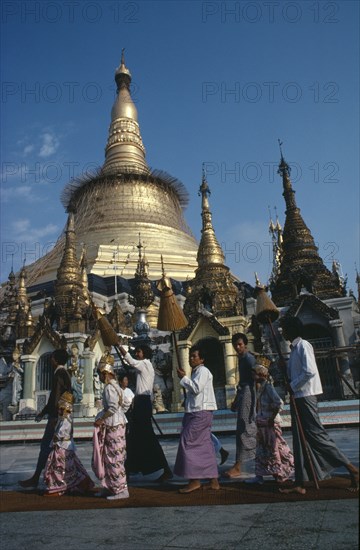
194	485
233	472
211	485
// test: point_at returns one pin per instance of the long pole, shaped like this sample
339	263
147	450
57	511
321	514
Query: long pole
342	377
115	268
305	444
178	357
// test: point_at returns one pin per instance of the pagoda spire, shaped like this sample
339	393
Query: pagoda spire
24	322
21	290
358	284
84	277
301	266
213	289
124	150
210	251
275	231
69	291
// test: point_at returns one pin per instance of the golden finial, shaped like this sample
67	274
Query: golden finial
164	282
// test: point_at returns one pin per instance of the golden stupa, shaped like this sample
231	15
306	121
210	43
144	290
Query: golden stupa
124	198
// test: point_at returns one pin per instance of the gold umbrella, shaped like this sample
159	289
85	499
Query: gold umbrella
108	334
171	316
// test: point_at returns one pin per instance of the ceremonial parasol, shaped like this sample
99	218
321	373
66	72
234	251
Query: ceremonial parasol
108	334
267	313
171	316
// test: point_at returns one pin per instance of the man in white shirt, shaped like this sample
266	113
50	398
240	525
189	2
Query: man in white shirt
144	452
195	458
305	384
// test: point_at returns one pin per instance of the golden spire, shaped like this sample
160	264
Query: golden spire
124	151
301	265
69	269
213	287
21	290
69	298
24	322
84	277
210	251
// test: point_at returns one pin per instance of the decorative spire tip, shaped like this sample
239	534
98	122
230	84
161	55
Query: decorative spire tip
203	173
281	153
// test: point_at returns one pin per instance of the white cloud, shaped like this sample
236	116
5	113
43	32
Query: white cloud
24	192
50	144
22	230
28	149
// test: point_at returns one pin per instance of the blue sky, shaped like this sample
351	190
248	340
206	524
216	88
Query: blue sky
215	83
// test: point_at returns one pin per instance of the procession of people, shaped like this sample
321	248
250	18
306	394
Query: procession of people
124	441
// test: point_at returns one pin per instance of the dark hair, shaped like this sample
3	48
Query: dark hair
147	351
122	376
293	326
61	356
239	336
200	349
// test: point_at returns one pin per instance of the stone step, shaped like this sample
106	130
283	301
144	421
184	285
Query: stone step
332	413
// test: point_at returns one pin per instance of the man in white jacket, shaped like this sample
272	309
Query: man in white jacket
196	458
305	384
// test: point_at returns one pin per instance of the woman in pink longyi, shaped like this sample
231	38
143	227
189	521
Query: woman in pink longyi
64	472
109	438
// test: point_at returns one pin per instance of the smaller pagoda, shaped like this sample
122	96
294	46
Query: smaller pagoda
301	268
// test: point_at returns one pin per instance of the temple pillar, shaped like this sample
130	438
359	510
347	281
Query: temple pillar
342	359
88	399
231	370
29	365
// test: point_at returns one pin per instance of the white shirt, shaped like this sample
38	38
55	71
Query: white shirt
63	436
112	399
302	369
145	375
128	396
200	394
